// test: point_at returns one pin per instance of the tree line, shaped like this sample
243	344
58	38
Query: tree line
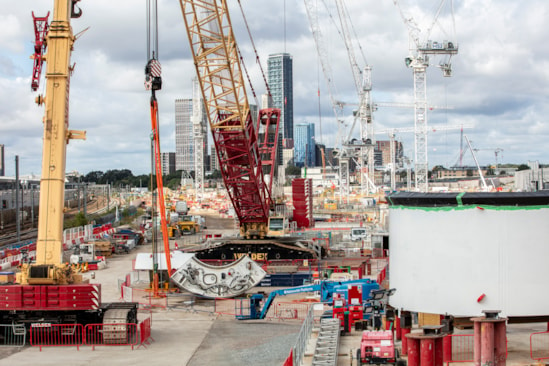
125	177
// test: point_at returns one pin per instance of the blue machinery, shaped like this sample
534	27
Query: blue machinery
326	289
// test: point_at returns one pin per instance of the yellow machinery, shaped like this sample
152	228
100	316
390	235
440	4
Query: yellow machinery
49	267
187	225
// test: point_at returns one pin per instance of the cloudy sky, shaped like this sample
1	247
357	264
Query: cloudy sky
499	83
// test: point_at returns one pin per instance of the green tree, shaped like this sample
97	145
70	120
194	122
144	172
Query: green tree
78	220
293	170
523	167
216	174
93	177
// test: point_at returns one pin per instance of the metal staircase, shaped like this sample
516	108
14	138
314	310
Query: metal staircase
327	343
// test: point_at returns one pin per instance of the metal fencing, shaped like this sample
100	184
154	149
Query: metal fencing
539	346
145	298
298	350
56	335
77	335
115	334
291	310
12	335
145	335
462	348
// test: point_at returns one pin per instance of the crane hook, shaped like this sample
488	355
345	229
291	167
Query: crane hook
75	11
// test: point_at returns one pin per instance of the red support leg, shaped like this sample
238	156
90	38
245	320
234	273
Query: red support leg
397	328
403	332
447	349
413	352
427	352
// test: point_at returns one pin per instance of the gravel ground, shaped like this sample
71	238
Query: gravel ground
234	343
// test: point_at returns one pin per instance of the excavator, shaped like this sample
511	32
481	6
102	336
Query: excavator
246	150
48	291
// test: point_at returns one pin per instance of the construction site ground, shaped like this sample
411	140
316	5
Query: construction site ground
193	337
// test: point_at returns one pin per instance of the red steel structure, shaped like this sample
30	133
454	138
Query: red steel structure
216	58
41	27
75	297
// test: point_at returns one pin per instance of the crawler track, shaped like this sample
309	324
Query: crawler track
261	249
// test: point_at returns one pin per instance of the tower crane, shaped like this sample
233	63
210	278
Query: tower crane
343	158
391	132
363	84
199	140
418	60
496	151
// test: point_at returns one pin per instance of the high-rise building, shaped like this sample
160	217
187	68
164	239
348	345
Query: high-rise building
383	153
184	135
168	163
2	162
184	141
281	86
304	144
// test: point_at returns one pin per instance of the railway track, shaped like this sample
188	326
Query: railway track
29	231
11	237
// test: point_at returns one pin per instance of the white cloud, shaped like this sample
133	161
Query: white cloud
500	80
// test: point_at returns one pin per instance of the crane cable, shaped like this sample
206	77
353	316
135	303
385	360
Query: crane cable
153	82
152	21
257	60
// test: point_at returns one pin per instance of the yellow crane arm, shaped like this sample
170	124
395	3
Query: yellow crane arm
60	39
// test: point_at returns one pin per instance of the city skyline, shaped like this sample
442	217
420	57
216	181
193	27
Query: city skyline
498	84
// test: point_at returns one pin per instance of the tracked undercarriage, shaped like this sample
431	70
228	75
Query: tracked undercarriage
259	249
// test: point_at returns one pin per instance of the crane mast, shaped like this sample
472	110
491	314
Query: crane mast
49	246
322	53
418	61
198	134
363	85
216	59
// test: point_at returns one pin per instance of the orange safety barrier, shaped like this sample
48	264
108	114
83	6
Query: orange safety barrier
539	346
145	337
56	335
115	334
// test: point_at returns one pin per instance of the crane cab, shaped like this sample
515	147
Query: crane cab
278	226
